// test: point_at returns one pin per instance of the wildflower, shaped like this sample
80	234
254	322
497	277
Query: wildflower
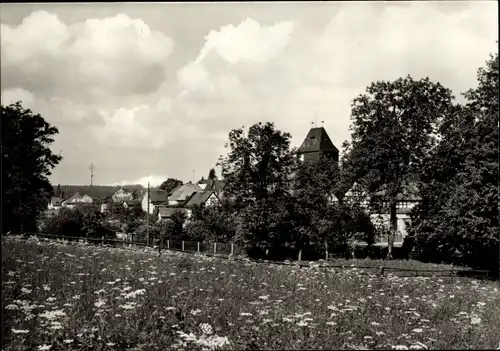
99	303
206	329
44	347
20	331
399	347
475	320
46	287
26	291
195	312
417	330
51	299
245	314
68	341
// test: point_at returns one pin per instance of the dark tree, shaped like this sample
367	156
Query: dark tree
212	175
170	184
458	219
393	127
27	162
256	174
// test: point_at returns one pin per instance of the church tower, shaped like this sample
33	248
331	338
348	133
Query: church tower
318	144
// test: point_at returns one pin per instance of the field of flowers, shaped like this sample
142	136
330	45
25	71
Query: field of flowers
77	297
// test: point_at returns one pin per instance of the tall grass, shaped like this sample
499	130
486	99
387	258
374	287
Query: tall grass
75	297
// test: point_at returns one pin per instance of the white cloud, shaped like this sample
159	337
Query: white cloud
111	87
86	60
154	181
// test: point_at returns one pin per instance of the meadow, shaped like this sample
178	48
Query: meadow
76	297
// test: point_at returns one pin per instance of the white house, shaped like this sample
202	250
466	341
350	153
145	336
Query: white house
123	194
182	193
77	200
202	198
157	197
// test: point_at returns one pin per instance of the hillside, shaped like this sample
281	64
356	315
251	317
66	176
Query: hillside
99	191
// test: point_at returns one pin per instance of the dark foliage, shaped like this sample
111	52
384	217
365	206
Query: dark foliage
27	162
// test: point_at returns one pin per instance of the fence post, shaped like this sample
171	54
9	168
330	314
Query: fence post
123	242
182	245
326	250
232	249
168	244
102	241
300	255
198	246
381	271
215	248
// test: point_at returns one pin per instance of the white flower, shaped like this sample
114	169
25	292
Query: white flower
245	314
134	294
206	329
475	320
26	291
44	347
99	303
46	287
399	347
20	331
417	330
195	312
68	341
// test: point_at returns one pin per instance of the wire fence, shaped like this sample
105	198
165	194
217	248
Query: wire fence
234	252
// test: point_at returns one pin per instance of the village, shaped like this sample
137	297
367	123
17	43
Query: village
209	192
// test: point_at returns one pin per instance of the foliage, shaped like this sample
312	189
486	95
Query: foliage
458	218
27	162
96	191
256	174
210	223
291	308
170	184
86	221
393	128
212	175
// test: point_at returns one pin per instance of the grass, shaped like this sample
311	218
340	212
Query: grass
77	297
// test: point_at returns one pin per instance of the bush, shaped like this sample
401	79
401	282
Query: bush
79	222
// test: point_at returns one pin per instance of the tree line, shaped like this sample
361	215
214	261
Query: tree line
402	131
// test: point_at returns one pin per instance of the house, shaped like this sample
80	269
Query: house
157	197
122	194
130	203
104	208
406	200
165	212
77	200
55	203
201	198
316	145
183	193
214	185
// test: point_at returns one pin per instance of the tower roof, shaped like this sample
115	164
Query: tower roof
317	140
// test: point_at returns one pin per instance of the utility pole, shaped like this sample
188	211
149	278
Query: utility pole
91	167
193	176
147	216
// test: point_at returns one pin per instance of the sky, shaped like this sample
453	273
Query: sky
150	91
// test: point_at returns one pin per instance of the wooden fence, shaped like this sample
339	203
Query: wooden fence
232	251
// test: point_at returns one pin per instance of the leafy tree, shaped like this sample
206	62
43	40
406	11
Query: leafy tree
212	175
393	127
458	218
170	184
27	162
79	222
256	179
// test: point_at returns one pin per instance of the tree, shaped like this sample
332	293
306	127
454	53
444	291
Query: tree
170	184
256	179
393	127
457	221
212	175
79	222
27	162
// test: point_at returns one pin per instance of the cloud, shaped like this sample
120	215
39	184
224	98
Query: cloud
154	181
87	60
122	97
